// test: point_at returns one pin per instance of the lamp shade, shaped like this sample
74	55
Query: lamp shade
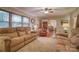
65	24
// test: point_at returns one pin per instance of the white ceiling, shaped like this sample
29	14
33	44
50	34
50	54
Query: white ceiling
36	11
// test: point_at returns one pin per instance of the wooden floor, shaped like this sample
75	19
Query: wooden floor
41	44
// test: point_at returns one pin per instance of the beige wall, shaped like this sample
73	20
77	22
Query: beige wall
15	11
59	28
74	17
71	17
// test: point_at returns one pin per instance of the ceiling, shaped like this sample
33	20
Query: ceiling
36	11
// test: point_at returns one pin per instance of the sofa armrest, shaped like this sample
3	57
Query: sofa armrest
4	43
16	41
62	34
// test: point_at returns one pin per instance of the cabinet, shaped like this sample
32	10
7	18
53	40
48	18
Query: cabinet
43	30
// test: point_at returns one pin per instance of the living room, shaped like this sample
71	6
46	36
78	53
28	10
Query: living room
39	29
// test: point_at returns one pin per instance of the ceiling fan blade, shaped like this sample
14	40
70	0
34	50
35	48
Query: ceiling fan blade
38	10
51	11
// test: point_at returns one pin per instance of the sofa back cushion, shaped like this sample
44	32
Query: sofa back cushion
8	32
21	31
27	30
12	35
74	32
75	36
75	40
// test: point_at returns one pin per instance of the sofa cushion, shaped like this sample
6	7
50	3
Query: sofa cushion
60	48
21	33
8	32
17	47
74	32
11	35
66	42
16	41
62	34
62	37
75	40
60	41
28	30
27	37
70	49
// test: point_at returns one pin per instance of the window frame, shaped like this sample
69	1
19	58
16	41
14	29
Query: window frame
7	21
17	22
10	19
27	23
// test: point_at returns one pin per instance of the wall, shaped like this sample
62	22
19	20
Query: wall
59	27
52	23
35	25
74	17
15	11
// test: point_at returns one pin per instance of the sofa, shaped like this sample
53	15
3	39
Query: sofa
64	44
12	39
75	38
70	44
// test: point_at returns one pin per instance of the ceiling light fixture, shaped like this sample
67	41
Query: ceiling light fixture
46	12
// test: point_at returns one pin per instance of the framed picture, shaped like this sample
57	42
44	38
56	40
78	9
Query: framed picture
32	20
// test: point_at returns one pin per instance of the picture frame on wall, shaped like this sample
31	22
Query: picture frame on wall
32	21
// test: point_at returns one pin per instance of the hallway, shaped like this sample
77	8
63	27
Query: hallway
42	44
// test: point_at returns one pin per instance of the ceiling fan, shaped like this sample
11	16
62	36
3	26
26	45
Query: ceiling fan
50	10
47	10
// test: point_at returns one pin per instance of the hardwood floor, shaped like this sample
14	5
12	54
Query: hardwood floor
41	44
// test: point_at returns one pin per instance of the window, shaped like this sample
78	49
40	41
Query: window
4	19
16	21
25	22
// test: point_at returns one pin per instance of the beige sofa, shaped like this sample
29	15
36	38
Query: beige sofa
68	44
64	45
75	38
12	39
